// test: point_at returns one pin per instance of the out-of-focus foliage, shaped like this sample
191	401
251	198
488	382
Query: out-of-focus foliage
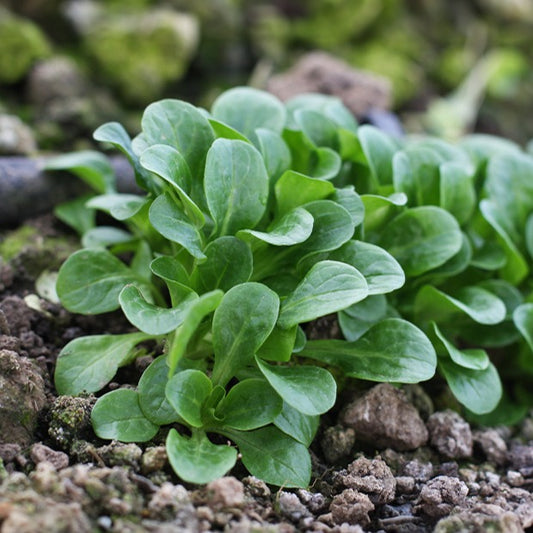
427	48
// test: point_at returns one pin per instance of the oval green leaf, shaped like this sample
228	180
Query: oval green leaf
118	416
294	423
392	350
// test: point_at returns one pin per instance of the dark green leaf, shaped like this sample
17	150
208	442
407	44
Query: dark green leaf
294	423
118	416
392	350
309	389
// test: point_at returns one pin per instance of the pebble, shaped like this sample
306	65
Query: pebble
450	434
440	495
226	492
352	507
40	453
492	445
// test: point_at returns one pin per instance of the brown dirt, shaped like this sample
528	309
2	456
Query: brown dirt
383	459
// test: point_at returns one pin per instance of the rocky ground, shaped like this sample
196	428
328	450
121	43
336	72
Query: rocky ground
384	460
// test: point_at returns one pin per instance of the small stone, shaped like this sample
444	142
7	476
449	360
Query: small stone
441	494
291	507
40	453
450	434
314	501
520	456
120	454
22	397
491	444
153	459
15	137
514	478
337	443
468	521
405	484
256	487
372	477
384	418
226	492
352	507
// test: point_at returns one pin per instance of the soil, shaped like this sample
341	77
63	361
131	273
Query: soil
384	459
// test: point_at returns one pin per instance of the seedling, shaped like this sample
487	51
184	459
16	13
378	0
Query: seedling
259	217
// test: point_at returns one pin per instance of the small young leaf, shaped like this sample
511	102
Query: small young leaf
92	167
195	312
380	209
352	202
478	390
279	345
309	389
118	416
381	271
187	392
457	193
76	214
119	206
223	131
182	126
90	281
152	398
115	134
148	317
228	262
523	319
293	228
422	238
171	222
89	363
318	128
169	164
104	236
379	150
470	358
197	459
275	152
247	109
242	322
250	404
294	189
294	423
236	185
392	350
273	456
328	287
479	304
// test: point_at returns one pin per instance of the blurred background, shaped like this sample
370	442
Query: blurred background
445	67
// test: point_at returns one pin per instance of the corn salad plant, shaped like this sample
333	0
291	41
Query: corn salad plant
258	217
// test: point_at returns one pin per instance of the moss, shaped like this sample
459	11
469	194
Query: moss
16	242
140	54
22	43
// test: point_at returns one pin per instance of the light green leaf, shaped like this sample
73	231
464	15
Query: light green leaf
273	456
352	202
309	389
422	238
223	131
294	189
76	214
478	390
247	109
89	363
381	271
479	304
275	152
469	358
379	151
294	423
197	459
104	236
187	392
236	185
250	404
152	398
119	206
169	164
357	319
90	281
118	416
279	344
392	350
195	312
380	209
457	193
92	167
523	320
292	228
329	286
182	126
242	322
148	317
171	222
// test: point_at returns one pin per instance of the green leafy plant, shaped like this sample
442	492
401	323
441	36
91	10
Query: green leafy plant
258	217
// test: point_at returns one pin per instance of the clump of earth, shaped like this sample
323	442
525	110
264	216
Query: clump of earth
384	459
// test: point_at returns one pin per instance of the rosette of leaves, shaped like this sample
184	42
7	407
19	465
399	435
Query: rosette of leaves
248	228
459	220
